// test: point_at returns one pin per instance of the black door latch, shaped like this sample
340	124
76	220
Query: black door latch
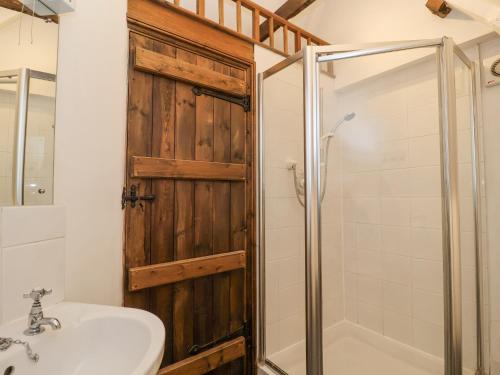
133	197
245	102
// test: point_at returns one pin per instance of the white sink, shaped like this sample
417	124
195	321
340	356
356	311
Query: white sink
93	340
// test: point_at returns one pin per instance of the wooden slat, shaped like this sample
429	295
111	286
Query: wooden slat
285	39
203	217
209	360
162	217
237	289
238	16
168	273
221	12
152	62
200	8
256	24
145	167
185	116
222	212
271	32
298	41
139	134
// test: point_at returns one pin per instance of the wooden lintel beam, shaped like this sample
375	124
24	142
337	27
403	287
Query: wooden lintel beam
17	6
288	10
168	273
209	360
146	167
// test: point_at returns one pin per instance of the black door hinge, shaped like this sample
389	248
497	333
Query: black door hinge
244	330
133	198
245	102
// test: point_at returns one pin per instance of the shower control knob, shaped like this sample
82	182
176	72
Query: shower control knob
41	191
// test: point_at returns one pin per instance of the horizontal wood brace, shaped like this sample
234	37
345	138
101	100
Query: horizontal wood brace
146	167
208	360
156	63
173	272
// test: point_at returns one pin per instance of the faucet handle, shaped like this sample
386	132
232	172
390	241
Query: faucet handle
37	294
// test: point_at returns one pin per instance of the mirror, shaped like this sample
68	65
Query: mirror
28	65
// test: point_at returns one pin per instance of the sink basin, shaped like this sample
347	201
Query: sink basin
97	340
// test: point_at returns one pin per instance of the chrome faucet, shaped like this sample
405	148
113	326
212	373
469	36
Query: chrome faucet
36	320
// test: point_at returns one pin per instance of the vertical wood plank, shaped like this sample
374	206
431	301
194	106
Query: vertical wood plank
185	131
221	12
200	7
138	144
238	220
256	25
271	32
251	200
238	16
285	39
204	151
298	41
162	218
222	212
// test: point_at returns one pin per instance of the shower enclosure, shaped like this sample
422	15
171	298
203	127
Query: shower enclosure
27	119
385	275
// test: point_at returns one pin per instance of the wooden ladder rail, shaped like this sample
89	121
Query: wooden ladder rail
258	13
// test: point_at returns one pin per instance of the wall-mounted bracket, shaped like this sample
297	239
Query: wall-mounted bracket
244	101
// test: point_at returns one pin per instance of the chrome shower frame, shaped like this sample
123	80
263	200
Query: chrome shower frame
312	56
23	77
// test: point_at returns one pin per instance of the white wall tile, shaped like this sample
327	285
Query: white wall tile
398	326
428	337
40	264
396	268
395	211
22	225
397	298
370	290
427	275
371	317
396	239
368	237
424	151
426	244
428	307
426	212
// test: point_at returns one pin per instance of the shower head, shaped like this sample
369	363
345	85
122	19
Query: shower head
348	117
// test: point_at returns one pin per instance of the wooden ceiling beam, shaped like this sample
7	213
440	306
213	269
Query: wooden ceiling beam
288	10
17	6
438	7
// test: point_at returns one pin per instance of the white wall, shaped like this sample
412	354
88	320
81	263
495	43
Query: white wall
360	21
90	146
491	118
31	255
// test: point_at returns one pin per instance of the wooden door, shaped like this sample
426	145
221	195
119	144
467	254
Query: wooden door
188	252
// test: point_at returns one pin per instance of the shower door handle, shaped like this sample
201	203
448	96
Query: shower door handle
20	137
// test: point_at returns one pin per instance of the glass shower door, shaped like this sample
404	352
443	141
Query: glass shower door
388	286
